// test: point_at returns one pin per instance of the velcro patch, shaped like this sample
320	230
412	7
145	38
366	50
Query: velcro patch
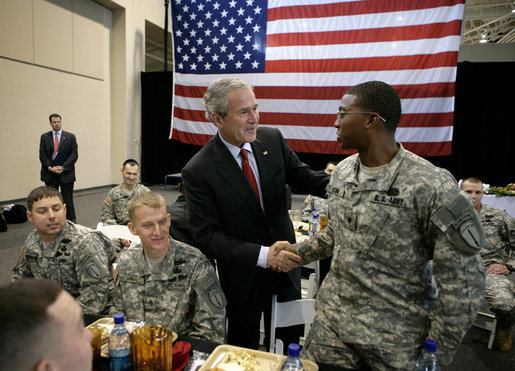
107	201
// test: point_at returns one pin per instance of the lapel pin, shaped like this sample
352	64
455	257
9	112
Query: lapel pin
265	153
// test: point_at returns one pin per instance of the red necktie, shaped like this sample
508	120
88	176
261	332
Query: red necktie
247	170
56	143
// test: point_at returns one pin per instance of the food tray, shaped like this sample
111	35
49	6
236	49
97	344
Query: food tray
265	360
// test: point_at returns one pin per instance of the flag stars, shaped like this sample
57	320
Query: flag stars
185	57
223	48
238	65
215	40
193	66
216	6
180	65
256	28
207	49
200	24
223	65
223	31
232	4
179	49
200	7
193	16
255	64
185	8
215	57
200	41
185	25
200	57
247	55
248	38
232	21
208	15
239	29
193	50
207	32
230	56
179	33
207	66
257	10
193	33
255	46
231	39
241	11
216	23
186	42
224	13
239	47
248	20
250	2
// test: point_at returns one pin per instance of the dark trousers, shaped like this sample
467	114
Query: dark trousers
244	322
67	193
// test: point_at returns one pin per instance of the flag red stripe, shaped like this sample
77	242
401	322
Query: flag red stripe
327	92
190	138
427	31
407	62
353	8
321	120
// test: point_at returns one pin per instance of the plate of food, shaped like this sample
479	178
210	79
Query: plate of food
232	358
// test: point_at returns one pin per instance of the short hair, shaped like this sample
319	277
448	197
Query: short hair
331	163
215	98
150	199
472	180
42	192
378	96
130	162
53	115
26	324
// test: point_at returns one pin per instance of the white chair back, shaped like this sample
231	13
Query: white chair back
289	313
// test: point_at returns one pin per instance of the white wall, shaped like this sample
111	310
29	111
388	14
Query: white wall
81	59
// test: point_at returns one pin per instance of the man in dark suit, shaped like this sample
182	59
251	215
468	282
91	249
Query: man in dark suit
58	154
235	220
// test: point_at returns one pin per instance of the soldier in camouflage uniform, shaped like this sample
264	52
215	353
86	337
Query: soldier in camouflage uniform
76	257
499	260
115	209
390	213
314	201
166	282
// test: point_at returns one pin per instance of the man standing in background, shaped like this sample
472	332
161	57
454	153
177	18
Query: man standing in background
58	154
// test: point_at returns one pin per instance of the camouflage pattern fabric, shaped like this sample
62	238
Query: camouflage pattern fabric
499	248
319	203
115	209
382	234
182	294
79	259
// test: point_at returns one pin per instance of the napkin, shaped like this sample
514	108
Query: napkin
180	355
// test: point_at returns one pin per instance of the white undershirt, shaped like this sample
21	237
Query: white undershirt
365	172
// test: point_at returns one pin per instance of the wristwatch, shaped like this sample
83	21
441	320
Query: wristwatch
510	268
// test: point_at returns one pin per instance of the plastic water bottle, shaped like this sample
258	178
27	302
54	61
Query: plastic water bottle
119	345
293	361
314	222
427	360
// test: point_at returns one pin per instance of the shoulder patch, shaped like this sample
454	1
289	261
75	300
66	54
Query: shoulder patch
209	288
107	201
20	259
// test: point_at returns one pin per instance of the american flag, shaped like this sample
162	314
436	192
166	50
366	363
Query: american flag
302	55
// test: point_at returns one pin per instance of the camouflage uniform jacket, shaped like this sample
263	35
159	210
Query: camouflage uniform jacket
79	259
319	203
116	205
182	294
382	233
499	236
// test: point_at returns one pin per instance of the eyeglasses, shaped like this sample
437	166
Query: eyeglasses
341	114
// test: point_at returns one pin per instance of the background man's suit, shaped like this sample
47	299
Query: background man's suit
229	225
67	147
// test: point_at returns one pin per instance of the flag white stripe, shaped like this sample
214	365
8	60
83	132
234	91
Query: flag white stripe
364	50
409	106
394	77
429	134
366	21
283	3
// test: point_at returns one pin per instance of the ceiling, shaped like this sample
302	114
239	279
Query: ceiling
485	21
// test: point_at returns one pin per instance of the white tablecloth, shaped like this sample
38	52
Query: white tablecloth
507	203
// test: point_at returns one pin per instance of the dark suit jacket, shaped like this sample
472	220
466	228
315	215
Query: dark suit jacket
226	218
67	146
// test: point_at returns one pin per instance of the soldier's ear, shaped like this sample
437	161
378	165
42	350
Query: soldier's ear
29	216
131	228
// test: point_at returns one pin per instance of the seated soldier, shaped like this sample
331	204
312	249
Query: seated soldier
499	258
76	257
44	333
115	208
164	281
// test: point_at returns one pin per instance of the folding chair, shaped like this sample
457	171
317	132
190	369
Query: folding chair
289	313
486	320
314	279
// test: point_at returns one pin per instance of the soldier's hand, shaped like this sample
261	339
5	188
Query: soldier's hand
283	261
497	269
125	243
282	245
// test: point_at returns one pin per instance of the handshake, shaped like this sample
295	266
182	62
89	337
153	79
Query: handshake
282	257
